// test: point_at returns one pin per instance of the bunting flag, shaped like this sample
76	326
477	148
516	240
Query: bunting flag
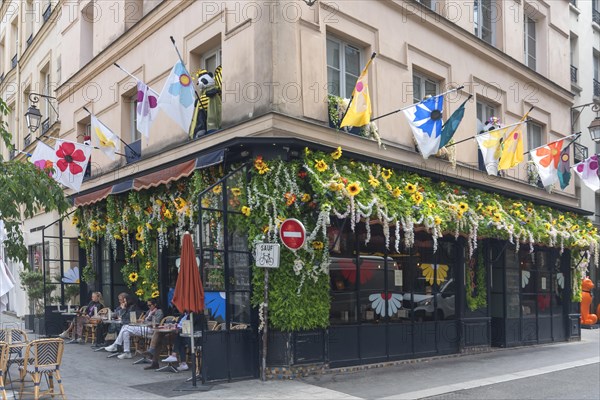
147	108
564	168
44	158
71	161
103	138
588	172
359	109
450	127
177	96
546	159
425	119
489	144
512	149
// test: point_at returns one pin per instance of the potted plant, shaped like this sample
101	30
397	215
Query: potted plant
32	282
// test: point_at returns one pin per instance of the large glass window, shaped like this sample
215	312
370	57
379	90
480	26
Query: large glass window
343	67
424	86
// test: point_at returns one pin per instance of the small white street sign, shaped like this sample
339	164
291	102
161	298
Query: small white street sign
267	255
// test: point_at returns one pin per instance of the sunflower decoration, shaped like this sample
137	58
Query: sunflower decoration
139	292
139	236
354	189
246	211
437	272
386	173
148	265
410	188
463	207
236	191
337	153
497	217
374	182
261	166
318	245
217	189
417	198
437	220
335	186
133	277
290	198
75	220
396	192
155	294
305	198
321	165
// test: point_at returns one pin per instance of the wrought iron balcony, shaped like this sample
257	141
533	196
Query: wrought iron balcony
29	40
27	141
47	12
573	73
580	153
45	126
596	16
2	77
574	2
13	62
596	88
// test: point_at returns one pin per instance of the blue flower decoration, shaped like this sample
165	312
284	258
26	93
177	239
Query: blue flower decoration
181	88
215	301
428	116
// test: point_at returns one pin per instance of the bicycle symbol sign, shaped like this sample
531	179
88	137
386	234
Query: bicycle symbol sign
267	255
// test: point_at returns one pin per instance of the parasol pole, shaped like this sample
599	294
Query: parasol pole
193	350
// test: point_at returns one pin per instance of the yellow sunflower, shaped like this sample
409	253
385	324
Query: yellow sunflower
139	237
462	206
354	189
75	220
417	197
410	188
236	191
148	265
148	226
386	173
431	205
124	231
337	153
437	220
168	214
561	218
305	198
388	187
397	192
373	181
318	245
217	189
155	294
205	202
133	277
246	211
139	292
497	217
321	165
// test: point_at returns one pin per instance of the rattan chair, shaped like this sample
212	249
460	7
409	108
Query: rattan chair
3	367
42	357
211	325
90	329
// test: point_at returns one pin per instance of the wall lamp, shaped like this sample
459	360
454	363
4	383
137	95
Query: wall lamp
33	116
594	127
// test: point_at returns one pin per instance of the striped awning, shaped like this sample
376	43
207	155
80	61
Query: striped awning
151	179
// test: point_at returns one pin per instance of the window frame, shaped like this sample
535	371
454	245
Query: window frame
342	71
530	32
424	79
217	53
134	134
530	126
478	20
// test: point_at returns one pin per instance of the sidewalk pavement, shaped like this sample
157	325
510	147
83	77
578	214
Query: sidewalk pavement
90	375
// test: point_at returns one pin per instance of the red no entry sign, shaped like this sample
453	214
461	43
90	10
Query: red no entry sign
292	233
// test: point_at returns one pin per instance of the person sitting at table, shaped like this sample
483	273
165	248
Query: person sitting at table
76	326
181	342
153	317
117	314
159	338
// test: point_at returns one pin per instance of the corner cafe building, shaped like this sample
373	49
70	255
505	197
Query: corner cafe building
399	261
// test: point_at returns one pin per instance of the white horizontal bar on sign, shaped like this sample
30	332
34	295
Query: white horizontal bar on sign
292	234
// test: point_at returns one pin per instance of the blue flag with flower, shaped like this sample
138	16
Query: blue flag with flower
177	96
425	120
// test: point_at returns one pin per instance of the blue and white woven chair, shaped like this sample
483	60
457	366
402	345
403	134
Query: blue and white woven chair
3	367
42	357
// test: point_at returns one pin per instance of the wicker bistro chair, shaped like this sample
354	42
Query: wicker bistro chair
42	357
3	367
91	328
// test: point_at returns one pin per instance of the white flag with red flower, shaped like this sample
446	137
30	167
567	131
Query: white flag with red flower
147	108
71	161
546	158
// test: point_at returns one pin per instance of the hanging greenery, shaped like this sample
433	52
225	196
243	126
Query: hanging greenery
476	283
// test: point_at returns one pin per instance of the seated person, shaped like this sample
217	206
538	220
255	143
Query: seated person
181	342
117	314
76	326
153	317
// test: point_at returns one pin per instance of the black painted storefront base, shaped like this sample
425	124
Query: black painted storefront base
295	348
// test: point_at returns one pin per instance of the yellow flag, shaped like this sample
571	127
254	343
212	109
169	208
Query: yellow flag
359	110
512	148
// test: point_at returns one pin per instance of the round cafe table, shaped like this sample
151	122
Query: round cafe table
165	330
110	321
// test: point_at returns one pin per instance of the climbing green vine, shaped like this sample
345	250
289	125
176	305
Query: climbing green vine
476	283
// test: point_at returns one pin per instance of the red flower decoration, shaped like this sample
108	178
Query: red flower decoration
68	157
302	174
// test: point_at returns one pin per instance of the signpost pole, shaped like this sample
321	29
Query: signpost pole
263	374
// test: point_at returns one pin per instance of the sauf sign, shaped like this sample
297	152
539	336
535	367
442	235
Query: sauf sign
267	255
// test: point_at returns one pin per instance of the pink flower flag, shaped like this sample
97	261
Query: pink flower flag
588	172
146	109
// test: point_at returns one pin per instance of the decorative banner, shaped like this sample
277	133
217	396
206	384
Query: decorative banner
425	119
564	168
588	172
378	303
512	149
103	138
428	271
44	158
71	162
147	108
546	159
177	96
450	127
359	109
489	144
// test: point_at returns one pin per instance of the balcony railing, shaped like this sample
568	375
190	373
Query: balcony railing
574	2
2	77
573	73
596	16
13	61
27	141
29	40
580	153
45	126
47	12
596	88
